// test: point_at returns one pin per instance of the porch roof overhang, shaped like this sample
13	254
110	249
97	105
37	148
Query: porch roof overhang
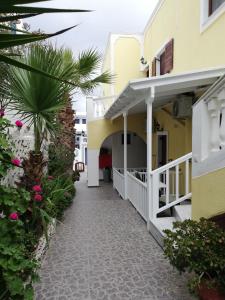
161	89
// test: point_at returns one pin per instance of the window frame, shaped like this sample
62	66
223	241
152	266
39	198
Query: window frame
210	9
207	19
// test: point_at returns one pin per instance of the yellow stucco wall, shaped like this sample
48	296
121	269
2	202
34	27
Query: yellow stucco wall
127	62
107	67
179	136
192	50
99	130
208	194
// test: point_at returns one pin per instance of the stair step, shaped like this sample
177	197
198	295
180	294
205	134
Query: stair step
182	212
157	226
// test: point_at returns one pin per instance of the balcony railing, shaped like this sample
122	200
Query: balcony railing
101	105
169	186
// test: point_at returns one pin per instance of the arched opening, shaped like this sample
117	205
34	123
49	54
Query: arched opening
111	154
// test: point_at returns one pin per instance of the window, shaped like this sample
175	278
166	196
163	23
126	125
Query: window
83	121
78	138
214	4
77	121
163	62
128	139
211	10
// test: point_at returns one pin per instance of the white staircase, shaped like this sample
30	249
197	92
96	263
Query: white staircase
171	196
182	212
157	227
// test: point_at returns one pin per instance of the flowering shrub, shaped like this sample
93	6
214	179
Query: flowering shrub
37	188
38	197
17	267
14	216
19	124
16	162
24	217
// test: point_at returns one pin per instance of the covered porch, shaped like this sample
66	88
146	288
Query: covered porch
161	192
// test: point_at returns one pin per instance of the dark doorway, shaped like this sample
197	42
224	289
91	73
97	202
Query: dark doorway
162	155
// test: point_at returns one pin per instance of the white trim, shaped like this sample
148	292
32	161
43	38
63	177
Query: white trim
171	81
158	54
153	15
212	164
125	153
205	20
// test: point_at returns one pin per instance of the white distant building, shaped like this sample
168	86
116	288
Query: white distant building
81	137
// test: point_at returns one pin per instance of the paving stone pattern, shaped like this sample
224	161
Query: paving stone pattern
102	251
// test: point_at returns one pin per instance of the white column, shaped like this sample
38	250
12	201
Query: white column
214	113
93	167
125	153
149	101
221	97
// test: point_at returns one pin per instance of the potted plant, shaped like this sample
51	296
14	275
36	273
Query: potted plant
198	247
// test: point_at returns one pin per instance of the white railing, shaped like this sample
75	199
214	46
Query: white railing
137	194
118	182
216	115
101	105
132	170
209	130
166	194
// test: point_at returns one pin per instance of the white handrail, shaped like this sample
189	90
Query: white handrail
137	194
172	164
118	182
166	194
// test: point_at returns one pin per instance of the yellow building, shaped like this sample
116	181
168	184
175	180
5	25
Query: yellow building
144	118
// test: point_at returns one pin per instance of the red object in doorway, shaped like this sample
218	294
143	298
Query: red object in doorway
105	160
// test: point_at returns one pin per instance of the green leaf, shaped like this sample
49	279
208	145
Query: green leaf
16	17
10	40
28	9
9	28
24	66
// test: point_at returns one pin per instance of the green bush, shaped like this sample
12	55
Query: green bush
60	160
197	247
17	266
59	193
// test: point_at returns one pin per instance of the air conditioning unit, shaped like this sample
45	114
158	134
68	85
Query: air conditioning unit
182	107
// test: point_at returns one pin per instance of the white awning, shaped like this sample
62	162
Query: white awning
162	88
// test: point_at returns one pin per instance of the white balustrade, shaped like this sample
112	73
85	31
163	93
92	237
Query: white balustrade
137	194
222	116
166	192
101	105
214	115
208	135
118	182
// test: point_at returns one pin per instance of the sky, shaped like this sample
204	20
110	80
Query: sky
107	16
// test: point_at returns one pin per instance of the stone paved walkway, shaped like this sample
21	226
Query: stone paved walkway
103	251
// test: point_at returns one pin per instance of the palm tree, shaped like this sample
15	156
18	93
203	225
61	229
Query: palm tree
38	99
12	10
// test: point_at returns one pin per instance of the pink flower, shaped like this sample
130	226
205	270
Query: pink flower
37	188
14	216
38	198
19	124
15	162
50	177
2	112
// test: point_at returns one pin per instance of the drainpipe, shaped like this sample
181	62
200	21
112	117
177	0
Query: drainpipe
125	153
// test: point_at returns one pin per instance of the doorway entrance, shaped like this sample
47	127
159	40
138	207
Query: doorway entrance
162	148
